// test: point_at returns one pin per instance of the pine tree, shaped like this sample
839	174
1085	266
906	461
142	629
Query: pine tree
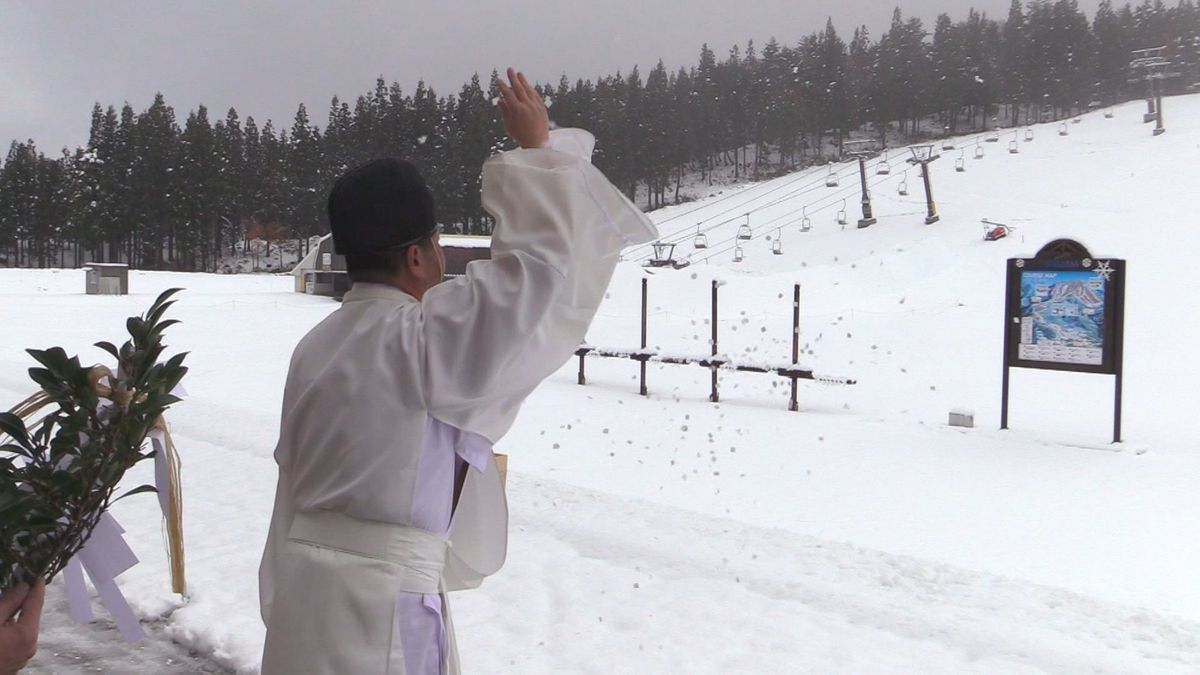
19	200
1112	52
153	183
306	178
860	60
232	182
709	128
833	71
194	238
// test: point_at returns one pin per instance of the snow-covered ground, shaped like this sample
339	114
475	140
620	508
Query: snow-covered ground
860	535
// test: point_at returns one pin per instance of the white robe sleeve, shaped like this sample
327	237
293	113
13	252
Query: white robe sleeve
281	522
492	335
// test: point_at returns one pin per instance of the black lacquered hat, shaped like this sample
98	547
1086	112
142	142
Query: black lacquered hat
381	205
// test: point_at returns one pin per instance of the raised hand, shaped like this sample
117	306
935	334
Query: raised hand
524	113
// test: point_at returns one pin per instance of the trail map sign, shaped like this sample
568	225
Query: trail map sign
1065	310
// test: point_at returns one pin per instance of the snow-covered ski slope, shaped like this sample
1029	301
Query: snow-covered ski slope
860	535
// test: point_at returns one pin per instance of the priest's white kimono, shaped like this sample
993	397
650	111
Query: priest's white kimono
389	400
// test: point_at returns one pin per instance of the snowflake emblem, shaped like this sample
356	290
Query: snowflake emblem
1104	269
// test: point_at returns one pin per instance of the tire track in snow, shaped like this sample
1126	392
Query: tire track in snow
982	616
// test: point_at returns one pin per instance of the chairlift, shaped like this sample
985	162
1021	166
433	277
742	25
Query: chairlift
960	164
1013	147
1108	114
1076	120
842	218
902	188
664	256
777	245
832	179
738	256
884	168
1063	130
948	145
1029	135
701	241
979	152
806	222
744	232
993	138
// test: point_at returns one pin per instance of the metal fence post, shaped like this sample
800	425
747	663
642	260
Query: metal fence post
794	405
715	396
644	391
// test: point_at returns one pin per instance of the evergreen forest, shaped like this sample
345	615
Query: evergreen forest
160	190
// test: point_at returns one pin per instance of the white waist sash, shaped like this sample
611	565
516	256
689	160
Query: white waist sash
336	596
420	554
333	582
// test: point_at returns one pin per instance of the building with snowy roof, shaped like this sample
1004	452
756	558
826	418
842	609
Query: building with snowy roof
323	272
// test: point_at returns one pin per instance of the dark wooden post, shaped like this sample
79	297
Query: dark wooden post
1009	327
794	405
582	379
644	391
1004	396
715	396
1119	347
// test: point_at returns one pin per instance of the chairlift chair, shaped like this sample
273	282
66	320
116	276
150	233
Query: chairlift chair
842	218
1029	135
960	164
1108	114
884	168
902	188
664	255
805	222
994	138
1013	147
737	254
744	232
701	241
1063	130
979	152
832	179
777	245
948	145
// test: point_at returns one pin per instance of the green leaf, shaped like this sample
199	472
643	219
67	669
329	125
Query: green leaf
52	385
136	491
135	326
14	426
110	348
156	312
163	297
171	381
55	359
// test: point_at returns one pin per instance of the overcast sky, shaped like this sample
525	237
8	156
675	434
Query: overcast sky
264	58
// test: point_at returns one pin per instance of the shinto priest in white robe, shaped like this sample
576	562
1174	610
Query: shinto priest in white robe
391	401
